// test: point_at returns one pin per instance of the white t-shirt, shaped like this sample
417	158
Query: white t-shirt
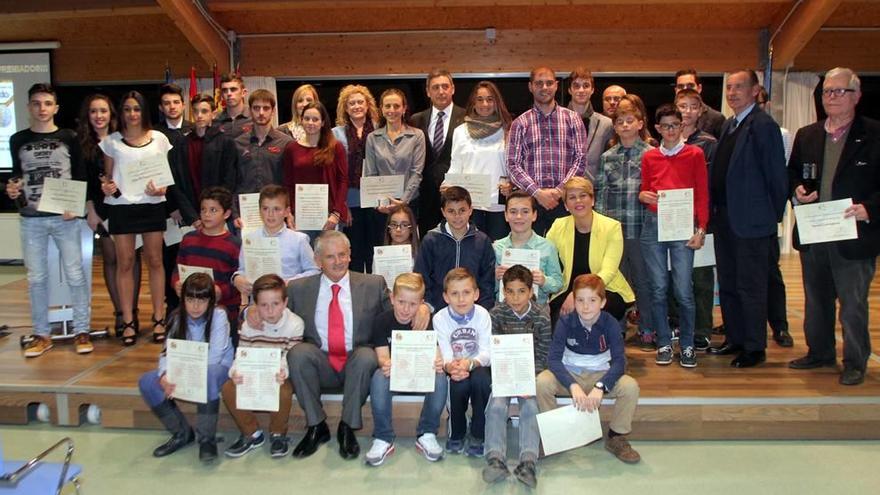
126	157
479	156
469	339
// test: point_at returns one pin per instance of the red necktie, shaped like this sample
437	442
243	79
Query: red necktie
336	331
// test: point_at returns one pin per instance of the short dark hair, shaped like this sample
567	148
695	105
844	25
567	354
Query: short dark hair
264	95
268	282
541	68
455	193
688	72
763	96
232	77
218	194
520	194
170	89
667	110
435	73
518	272
43	87
581	73
688	93
273	191
203	98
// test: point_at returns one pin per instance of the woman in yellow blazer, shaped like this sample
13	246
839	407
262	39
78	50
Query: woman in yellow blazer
588	242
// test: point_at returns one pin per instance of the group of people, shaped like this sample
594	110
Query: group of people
579	187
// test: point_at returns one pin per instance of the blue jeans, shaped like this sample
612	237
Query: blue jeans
474	389
380	403
35	234
153	394
681	258
496	428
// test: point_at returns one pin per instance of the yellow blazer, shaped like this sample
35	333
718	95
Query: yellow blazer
606	250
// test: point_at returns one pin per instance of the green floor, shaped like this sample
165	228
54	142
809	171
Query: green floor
119	462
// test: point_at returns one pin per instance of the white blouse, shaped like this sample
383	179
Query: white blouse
483	156
126	157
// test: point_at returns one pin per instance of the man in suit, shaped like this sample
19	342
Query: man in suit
844	150
748	189
600	129
438	123
710	120
338	308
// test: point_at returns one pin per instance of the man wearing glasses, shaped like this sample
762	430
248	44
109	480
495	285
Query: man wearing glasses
833	159
710	119
546	148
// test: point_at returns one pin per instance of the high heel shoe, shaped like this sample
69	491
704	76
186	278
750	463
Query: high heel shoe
129	340
159	337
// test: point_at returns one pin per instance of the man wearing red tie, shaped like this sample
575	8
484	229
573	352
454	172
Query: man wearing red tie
338	308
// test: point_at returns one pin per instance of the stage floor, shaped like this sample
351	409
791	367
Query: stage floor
710	402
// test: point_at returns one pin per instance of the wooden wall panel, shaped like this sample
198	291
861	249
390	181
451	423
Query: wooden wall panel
859	51
514	51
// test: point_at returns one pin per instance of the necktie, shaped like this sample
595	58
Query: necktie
733	126
336	331
438	134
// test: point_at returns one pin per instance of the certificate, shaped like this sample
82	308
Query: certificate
174	233
261	256
136	176
184	271
478	185
566	428
513	365
824	222
62	195
529	258
260	390
391	261
310	209
412	360
187	369
249	211
675	215
376	190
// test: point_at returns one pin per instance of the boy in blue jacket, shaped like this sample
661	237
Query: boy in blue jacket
587	361
456	243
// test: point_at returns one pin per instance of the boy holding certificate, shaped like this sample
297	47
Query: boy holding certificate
587	361
463	331
406	297
517	314
673	166
281	329
297	257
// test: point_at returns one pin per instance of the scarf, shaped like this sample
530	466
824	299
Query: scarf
588	112
482	127
356	147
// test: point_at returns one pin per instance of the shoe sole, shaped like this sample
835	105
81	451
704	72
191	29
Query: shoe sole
687	365
627	461
663	363
29	354
85	351
427	455
280	454
236	455
381	460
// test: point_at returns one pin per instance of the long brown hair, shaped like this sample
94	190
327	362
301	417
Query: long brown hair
500	107
326	150
413	231
88	138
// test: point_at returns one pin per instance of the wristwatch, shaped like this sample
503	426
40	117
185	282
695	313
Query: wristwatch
600	386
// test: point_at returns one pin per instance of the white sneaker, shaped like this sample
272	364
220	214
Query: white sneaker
378	452
427	445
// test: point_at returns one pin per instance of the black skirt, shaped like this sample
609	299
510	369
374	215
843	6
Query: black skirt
137	219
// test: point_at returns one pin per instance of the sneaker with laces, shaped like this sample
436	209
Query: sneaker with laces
279	445
245	444
38	346
646	342
664	355
379	452
427	445
455	446
475	449
620	447
83	343
688	358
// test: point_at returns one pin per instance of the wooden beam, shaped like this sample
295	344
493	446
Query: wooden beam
198	31
799	29
45	15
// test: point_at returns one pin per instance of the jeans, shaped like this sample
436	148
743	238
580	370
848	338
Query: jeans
496	428
476	388
153	394
380	403
632	266
35	234
682	261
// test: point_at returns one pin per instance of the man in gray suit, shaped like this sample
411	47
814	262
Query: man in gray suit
600	129
338	308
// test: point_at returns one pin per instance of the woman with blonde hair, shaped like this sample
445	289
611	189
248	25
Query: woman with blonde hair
302	96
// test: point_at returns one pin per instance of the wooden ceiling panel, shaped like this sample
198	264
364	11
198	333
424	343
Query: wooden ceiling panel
859	51
856	14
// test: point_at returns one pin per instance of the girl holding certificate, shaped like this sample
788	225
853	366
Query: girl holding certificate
198	319
318	158
478	147
133	210
302	96
97	120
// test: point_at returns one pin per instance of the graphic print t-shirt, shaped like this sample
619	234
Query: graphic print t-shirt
36	156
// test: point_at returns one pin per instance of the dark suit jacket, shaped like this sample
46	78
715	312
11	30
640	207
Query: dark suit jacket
711	121
219	160
369	298
857	177
180	195
436	166
757	181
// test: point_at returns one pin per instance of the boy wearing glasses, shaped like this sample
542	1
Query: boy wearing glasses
709	119
674	165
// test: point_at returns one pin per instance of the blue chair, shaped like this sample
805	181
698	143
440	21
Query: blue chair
35	477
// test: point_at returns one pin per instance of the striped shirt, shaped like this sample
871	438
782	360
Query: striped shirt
618	181
536	321
283	334
545	151
217	252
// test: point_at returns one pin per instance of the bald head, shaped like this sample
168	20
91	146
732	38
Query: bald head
610	98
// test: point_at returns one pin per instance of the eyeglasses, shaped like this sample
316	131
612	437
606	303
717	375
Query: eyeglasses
837	92
399	226
668	127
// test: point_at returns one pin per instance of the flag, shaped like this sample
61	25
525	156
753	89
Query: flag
217	99
193	84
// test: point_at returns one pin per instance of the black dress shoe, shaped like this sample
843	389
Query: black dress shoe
809	362
175	443
783	338
725	349
208	451
348	445
315	436
749	359
852	376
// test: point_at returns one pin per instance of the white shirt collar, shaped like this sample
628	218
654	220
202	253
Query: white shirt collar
344	282
172	126
523	315
446	112
674	150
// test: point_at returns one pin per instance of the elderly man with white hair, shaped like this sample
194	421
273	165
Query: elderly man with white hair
833	159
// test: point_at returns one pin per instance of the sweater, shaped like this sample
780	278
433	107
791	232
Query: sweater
466	338
219	253
571	339
284	334
536	321
685	169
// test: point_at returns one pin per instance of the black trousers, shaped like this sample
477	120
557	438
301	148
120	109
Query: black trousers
361	237
547	217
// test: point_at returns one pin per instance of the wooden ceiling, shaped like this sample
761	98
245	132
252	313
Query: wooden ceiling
133	40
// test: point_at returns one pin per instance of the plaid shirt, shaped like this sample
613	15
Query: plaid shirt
618	181
545	151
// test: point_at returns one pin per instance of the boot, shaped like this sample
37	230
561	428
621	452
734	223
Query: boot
176	424
206	430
